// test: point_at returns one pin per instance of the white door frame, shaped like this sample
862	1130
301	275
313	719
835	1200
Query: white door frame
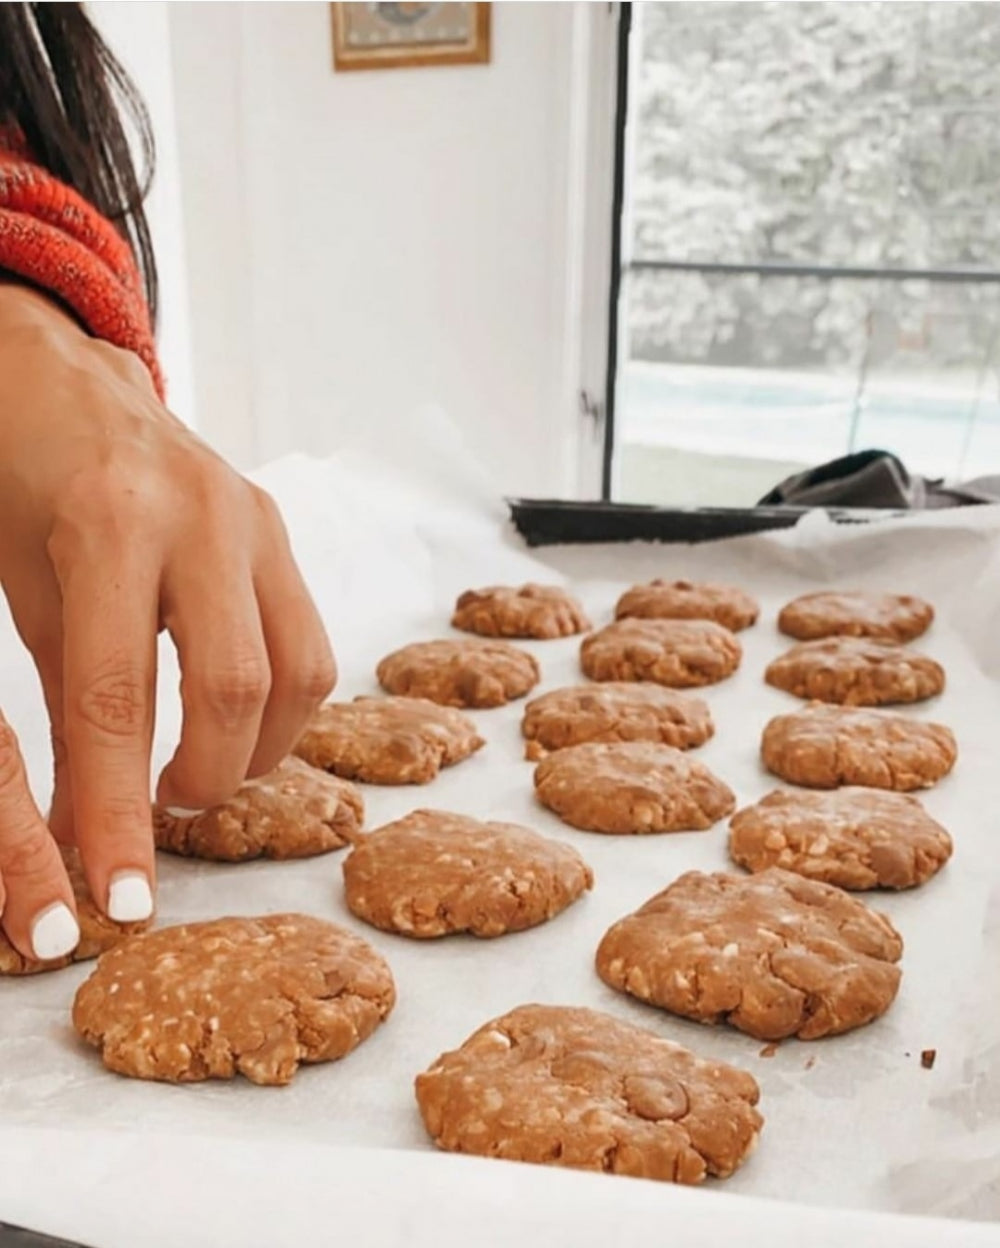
588	225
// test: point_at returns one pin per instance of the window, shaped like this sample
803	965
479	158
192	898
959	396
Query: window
810	244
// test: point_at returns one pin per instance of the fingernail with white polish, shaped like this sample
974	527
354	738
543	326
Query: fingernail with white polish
54	933
181	812
129	898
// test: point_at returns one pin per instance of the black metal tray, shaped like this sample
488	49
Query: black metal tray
550	522
12	1236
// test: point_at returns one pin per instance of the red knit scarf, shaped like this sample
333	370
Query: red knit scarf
53	238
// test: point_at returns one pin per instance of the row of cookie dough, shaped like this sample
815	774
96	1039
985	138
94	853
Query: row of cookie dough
858	660
546	612
596	781
641	785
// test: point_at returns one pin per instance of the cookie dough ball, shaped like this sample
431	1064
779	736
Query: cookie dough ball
855	838
679	653
773	954
459	673
614	711
97	931
884	617
294	811
688	600
255	997
434	873
633	787
539	611
574	1087
822	747
388	740
856	672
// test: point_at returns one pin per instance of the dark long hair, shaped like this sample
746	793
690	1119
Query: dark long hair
71	100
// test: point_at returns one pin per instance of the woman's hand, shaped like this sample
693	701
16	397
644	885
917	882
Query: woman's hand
116	522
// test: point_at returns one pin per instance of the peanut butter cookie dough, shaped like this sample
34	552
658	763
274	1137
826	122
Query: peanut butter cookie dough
885	617
679	653
854	671
688	600
470	673
388	740
434	873
294	811
631	787
856	838
614	711
97	931
540	611
574	1087
822	747
773	954
255	997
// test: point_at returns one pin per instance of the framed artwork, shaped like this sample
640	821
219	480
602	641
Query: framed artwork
392	36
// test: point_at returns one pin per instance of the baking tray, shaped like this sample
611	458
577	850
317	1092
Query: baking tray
853	1123
554	522
12	1236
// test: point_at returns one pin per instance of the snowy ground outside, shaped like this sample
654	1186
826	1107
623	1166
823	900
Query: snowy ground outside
691	435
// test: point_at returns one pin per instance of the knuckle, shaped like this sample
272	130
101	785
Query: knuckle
124	817
11	771
238	691
106	492
317	680
27	855
265	505
101	507
114	701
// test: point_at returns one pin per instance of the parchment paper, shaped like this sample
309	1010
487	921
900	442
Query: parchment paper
853	1122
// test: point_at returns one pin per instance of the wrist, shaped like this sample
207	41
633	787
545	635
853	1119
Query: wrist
24	307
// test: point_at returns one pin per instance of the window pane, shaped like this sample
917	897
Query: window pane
731	383
825	133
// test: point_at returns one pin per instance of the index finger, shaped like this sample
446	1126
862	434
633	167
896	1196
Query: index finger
109	673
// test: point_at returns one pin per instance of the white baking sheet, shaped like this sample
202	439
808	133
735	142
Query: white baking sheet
852	1122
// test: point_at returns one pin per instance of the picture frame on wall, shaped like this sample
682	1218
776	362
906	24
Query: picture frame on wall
404	35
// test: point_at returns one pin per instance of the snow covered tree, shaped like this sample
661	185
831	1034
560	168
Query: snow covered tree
841	134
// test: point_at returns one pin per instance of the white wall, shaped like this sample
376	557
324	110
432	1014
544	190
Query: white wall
139	35
361	243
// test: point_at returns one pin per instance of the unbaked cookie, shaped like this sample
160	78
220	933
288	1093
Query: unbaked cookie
434	873
853	837
886	617
250	996
540	611
295	811
97	931
614	711
688	600
460	673
822	747
632	786
680	653
773	954
388	740
574	1087
856	672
